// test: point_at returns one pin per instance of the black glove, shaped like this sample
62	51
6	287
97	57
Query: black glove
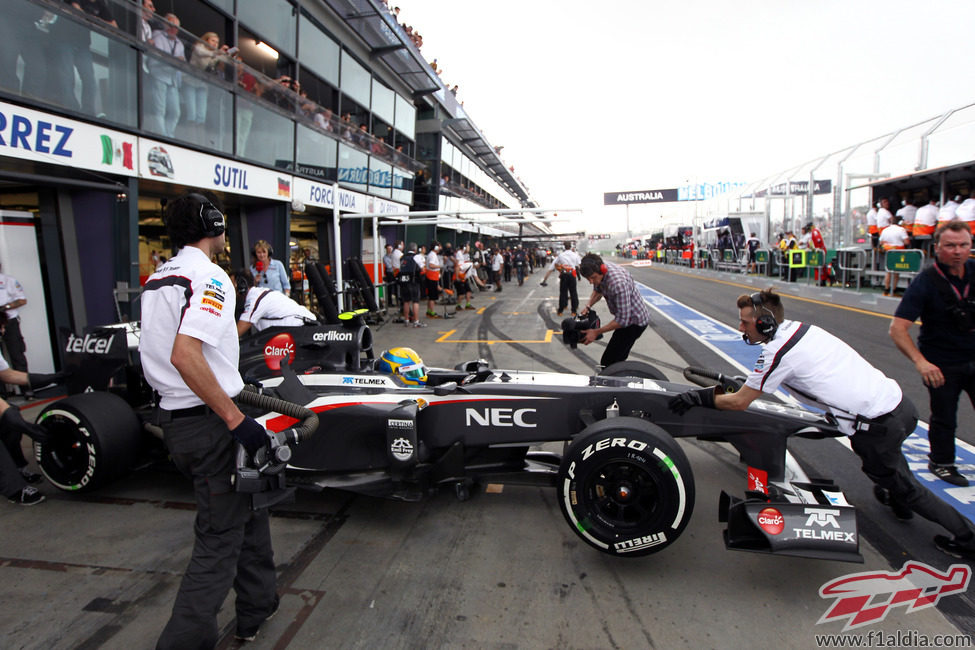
14	421
37	379
250	434
681	403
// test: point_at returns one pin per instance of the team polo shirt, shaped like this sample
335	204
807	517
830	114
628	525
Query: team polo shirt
189	295
622	298
827	370
940	341
10	290
265	308
966	211
893	236
884	217
947	211
907	214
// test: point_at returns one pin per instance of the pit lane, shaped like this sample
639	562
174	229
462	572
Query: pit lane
502	570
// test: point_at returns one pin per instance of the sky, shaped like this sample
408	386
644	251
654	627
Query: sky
594	97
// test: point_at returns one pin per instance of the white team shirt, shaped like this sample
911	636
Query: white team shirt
947	212
825	368
908	213
927	215
893	236
872	217
966	211
189	295
568	258
884	217
397	256
433	261
265	308
10	290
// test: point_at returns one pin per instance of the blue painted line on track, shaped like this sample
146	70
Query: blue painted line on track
727	343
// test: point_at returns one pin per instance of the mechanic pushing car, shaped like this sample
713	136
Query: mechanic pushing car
261	307
190	351
869	406
630	313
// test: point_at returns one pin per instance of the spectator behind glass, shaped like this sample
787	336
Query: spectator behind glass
207	55
145	20
165	80
72	51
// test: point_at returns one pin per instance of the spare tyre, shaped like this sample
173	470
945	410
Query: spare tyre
95	438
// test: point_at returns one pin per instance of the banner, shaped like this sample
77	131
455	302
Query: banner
643	196
324	196
42	137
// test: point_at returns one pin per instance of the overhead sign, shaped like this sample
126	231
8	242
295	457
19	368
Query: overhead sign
42	137
325	196
172	164
797	187
705	191
643	196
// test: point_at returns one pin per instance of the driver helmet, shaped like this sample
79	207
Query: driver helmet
404	363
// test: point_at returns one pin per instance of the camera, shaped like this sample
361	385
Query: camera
962	315
571	328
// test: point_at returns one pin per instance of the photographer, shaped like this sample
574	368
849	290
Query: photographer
630	313
190	353
942	297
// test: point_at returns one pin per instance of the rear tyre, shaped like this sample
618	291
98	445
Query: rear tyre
625	487
95	438
633	369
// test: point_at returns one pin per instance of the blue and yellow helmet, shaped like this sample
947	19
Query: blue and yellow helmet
404	363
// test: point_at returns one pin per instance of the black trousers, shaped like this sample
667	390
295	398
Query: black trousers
944	410
620	344
232	544
567	291
885	465
16	348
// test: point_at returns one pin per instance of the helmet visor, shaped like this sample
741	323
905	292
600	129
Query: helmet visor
414	371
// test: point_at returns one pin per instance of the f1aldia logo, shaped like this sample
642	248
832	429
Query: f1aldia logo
866	598
280	348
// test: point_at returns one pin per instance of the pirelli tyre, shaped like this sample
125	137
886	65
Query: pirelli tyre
625	487
95	438
632	369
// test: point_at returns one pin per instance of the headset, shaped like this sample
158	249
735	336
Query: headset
602	268
764	323
213	222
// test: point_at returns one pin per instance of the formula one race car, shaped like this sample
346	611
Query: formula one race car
400	430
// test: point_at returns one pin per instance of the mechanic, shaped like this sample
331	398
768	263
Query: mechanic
12	298
269	272
190	353
431	279
868	405
630	313
565	263
411	265
263	308
942	297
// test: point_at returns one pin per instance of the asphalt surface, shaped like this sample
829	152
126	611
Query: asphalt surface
502	570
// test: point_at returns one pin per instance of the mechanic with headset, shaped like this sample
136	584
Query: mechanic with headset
630	313
942	297
190	352
263	308
868	406
269	273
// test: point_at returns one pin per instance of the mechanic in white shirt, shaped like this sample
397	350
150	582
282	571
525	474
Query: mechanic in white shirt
190	351
822	370
264	308
893	237
431	279
948	210
12	298
926	219
566	263
966	211
907	213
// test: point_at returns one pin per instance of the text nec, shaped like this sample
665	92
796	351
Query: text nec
499	417
21	129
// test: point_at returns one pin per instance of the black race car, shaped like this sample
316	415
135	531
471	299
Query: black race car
624	485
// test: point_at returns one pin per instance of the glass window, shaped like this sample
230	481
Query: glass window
318	52
402	186
226	5
353	168
383	101
380	177
275	20
316	154
355	79
405	121
264	136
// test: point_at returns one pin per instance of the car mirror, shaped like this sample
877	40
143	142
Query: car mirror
445	389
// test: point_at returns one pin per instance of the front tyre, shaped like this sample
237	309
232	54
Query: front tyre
626	487
94	438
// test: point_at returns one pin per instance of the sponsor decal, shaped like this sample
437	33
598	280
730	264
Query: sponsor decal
215	284
760	363
822	517
331	335
346	380
401	449
159	163
89	344
757	480
215	294
607	443
638	543
866	598
213	303
499	417
364	381
230	176
280	348
400	424
211	310
20	131
841	536
771	521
